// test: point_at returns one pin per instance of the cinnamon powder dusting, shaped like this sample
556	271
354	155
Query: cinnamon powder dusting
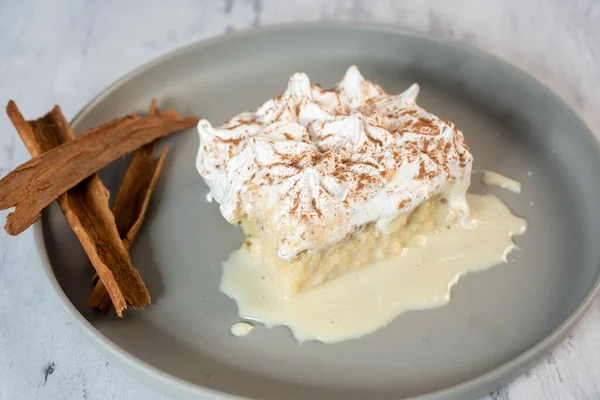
338	163
388	174
296	204
424	173
233	141
314	205
403	204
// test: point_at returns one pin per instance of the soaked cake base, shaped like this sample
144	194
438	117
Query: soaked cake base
366	246
362	300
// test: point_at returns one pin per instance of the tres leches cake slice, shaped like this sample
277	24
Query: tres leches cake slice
327	180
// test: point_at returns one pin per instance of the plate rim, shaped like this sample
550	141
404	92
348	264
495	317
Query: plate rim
141	369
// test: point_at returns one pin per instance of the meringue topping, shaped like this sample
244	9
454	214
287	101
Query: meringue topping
313	166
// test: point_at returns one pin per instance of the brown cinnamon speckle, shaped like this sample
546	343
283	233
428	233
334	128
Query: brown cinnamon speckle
388	174
403	204
296	204
424	173
314	204
235	141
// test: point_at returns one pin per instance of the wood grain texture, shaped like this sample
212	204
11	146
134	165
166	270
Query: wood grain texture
67	51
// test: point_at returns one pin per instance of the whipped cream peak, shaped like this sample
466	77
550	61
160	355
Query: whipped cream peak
409	96
354	89
352	133
286	107
312	166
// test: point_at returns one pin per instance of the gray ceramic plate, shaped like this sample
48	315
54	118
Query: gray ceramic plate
499	321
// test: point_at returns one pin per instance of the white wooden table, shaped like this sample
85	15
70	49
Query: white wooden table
65	52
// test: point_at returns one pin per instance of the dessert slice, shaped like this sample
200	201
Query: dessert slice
327	180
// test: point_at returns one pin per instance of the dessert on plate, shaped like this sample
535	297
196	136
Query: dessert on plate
323	181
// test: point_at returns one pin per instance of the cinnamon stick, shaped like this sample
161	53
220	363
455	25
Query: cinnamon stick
132	201
35	184
86	208
99	298
137	186
130	208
